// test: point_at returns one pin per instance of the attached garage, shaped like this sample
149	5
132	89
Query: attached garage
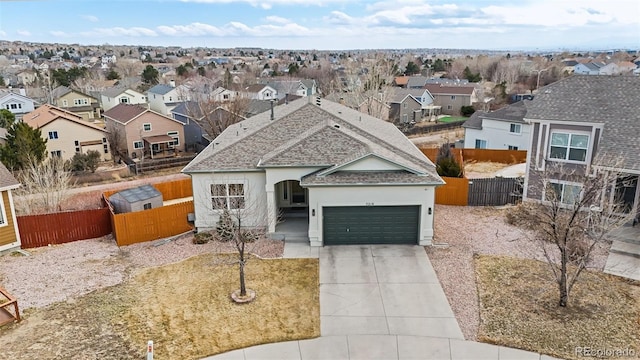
353	225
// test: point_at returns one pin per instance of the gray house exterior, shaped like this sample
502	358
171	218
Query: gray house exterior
582	122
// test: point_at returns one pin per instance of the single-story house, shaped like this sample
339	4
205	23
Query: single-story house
354	178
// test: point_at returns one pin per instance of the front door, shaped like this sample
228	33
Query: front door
298	194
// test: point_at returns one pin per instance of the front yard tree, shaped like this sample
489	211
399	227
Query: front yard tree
573	219
150	75
7	118
45	185
24	145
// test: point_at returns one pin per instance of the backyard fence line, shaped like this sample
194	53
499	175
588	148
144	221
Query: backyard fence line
63	227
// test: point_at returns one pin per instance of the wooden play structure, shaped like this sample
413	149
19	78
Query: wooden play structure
6	302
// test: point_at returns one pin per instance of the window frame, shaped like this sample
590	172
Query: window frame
80	102
176	138
144	127
3	213
512	126
563	186
569	147
53	135
225	195
480	141
135	144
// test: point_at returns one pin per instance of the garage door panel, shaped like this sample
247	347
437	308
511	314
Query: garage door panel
371	225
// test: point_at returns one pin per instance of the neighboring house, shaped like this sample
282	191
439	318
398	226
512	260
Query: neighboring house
618	68
401	81
452	98
18	103
198	126
417	82
404	108
163	98
260	92
144	133
358	179
79	103
585	123
369	105
304	87
68	133
9	233
121	95
141	198
569	66
221	95
503	129
592	68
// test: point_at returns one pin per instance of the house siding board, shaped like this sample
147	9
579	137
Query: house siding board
159	126
68	133
8	234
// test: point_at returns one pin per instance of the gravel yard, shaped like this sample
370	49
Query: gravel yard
478	230
58	273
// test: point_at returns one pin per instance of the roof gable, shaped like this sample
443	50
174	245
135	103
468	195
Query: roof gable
47	113
123	113
369	162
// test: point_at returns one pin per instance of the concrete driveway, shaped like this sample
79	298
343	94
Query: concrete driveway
379	302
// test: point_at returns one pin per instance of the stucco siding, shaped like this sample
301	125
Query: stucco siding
255	212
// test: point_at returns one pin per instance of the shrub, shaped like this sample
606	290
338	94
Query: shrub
467	110
446	164
202	238
84	162
225	227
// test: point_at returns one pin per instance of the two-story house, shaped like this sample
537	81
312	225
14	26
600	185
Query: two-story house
163	98
144	133
452	98
503	129
585	123
304	87
17	103
68	133
121	95
260	92
410	105
77	102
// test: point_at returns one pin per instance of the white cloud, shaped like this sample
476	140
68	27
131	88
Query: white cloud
277	20
23	33
91	18
2	33
338	17
194	29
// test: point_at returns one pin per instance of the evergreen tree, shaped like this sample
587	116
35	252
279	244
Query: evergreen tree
150	75
23	143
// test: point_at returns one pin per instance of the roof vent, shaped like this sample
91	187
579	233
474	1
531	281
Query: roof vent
318	101
336	126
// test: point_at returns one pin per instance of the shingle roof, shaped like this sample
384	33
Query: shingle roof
48	113
399	94
305	134
7	181
124	113
161	89
449	90
139	193
513	113
612	100
114	91
416	81
255	88
60	91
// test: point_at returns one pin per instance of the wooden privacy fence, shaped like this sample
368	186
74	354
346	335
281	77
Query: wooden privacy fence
481	155
153	224
170	190
455	192
63	227
140	226
494	191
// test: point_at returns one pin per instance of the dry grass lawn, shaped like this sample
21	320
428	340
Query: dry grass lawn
184	308
518	308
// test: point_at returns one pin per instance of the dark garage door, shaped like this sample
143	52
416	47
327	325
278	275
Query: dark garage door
351	225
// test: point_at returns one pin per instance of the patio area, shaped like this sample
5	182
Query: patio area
624	254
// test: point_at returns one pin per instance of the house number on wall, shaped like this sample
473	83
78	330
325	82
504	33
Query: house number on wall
369	204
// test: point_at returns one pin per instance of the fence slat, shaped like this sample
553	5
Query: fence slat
63	227
152	224
455	192
494	191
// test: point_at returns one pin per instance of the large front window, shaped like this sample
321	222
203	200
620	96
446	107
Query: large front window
567	194
227	196
567	146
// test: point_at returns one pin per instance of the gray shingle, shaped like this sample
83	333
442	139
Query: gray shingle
612	100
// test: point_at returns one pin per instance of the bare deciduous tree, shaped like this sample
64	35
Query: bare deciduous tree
44	186
116	140
576	216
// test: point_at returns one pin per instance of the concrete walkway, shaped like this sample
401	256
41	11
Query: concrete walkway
379	302
624	254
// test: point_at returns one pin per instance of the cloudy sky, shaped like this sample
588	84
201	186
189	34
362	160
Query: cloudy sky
329	24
